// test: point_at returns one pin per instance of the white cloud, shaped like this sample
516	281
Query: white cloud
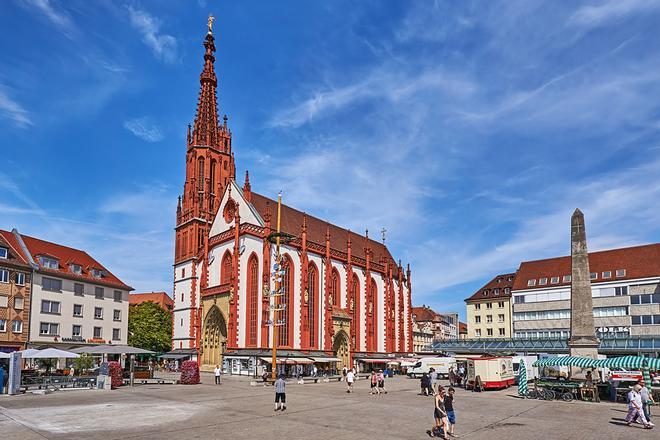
163	46
13	111
144	129
592	16
58	17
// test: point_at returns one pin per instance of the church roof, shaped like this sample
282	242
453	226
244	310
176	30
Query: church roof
637	262
292	220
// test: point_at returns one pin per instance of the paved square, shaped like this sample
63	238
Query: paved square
320	411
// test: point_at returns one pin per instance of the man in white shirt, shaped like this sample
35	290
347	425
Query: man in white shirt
216	372
350	378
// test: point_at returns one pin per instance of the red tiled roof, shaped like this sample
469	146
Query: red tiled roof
499	282
64	254
425	314
14	254
160	298
462	327
638	262
292	220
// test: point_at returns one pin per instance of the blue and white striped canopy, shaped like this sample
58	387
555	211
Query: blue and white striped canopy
568	361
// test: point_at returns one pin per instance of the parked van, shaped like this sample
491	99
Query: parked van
441	366
532	372
494	372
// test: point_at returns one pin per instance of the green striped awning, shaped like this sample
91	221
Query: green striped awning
568	361
654	363
625	362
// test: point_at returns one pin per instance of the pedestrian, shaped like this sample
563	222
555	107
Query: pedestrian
374	383
216	373
433	378
647	399
452	376
439	415
344	371
449	407
350	378
424	384
381	382
280	393
635	407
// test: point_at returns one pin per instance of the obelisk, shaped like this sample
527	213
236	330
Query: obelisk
583	341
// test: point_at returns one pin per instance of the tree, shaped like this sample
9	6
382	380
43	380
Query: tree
149	327
83	362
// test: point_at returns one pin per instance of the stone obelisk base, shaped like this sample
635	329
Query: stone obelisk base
582	347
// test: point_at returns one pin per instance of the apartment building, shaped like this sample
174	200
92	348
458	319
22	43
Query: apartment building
489	309
625	286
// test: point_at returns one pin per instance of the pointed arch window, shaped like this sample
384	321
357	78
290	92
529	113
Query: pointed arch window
200	174
252	300
312	291
355	304
373	312
226	268
285	324
335	292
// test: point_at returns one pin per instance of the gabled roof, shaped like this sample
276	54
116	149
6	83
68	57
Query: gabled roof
292	220
462	327
500	282
638	262
425	314
14	255
64	254
160	298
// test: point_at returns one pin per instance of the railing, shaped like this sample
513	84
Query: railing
57	382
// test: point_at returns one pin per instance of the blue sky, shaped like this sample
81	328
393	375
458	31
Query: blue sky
469	130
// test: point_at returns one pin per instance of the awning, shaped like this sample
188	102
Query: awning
319	359
51	353
235	356
174	356
289	360
568	361
376	361
111	349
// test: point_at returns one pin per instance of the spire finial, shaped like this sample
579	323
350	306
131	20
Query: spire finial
382	233
210	23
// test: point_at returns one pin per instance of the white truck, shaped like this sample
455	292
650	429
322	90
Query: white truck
532	372
441	366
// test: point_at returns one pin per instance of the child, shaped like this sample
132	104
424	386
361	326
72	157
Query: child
280	393
449	407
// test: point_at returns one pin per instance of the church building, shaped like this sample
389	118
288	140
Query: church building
344	296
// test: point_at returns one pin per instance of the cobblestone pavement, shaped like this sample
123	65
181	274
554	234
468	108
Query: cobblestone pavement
236	410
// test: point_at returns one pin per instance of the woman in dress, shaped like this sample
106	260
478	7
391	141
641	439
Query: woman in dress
440	415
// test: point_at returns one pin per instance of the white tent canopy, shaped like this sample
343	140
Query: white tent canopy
111	349
50	353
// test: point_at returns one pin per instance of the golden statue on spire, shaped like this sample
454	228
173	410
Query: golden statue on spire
210	23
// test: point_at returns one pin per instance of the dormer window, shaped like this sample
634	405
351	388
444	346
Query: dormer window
510	278
499	280
567	278
543	281
607	274
486	292
594	275
496	291
76	268
97	273
3	252
531	283
49	263
554	280
620	273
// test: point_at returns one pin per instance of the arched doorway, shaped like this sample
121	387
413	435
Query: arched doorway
215	337
341	349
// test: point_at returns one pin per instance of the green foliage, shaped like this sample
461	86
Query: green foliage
48	364
150	327
84	362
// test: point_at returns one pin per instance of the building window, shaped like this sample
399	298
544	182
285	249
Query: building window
477	307
3	300
554	280
489	319
489	305
98	332
49	329
116	315
531	283
3	325
4	276
477	319
76	331
253	300
477	333
99	292
543	281
607	274
18	303
98	312
49	263
620	273
20	279
496	291
51	284
602	312
500	318
500	304
117	295
567	278
17	326
486	292
76	268
77	310
97	273
620	291
3	252
50	307
78	289
183	272
502	332
489	331
594	275
116	334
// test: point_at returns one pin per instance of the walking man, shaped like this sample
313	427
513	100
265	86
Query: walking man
350	378
635	407
280	393
449	407
647	400
216	373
